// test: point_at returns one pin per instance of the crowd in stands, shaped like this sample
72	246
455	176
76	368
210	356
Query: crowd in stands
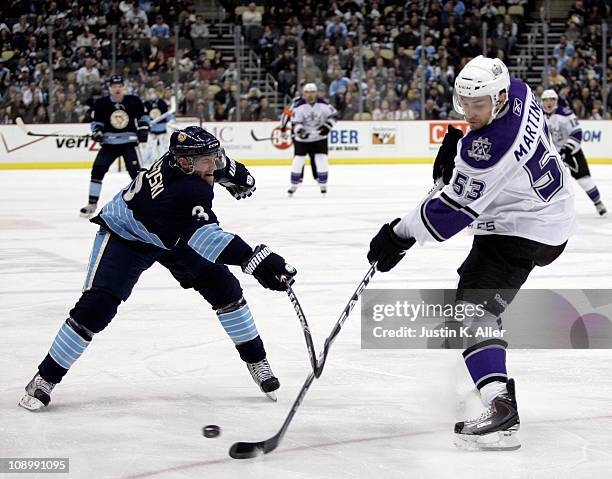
81	37
396	58
387	78
575	69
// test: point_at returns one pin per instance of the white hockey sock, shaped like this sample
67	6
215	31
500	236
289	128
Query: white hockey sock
296	168
586	183
490	391
322	167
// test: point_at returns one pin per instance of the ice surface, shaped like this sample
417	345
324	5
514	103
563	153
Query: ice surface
135	404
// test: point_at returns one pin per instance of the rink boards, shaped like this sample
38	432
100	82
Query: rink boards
262	143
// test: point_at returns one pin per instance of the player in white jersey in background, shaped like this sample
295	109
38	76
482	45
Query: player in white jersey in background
312	119
504	180
284	126
567	137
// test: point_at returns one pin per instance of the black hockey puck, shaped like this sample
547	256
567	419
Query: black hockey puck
211	430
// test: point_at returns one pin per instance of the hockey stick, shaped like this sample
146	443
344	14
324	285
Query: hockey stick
171	111
247	450
19	122
267	138
302	317
163	116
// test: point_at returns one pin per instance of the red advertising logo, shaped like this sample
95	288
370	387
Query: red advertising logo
437	130
281	139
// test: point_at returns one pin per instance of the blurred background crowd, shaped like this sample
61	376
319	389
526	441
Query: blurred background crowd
372	59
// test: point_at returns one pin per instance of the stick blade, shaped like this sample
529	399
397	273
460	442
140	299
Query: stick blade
249	450
246	450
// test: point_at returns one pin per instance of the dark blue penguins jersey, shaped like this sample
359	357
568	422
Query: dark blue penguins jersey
119	120
167	208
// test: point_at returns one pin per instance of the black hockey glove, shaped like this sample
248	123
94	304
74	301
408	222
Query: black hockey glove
445	159
387	248
142	135
324	129
97	135
236	179
302	134
567	156
269	269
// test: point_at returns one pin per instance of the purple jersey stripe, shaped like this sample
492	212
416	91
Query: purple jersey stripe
442	221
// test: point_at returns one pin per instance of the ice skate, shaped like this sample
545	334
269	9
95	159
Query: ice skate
38	394
89	210
495	429
292	189
601	208
264	377
323	189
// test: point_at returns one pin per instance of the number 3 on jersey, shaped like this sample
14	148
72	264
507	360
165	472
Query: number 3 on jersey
544	172
134	187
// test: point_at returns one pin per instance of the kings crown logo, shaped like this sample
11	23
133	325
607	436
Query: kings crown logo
481	148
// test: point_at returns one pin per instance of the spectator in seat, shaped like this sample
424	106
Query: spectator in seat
199	31
251	21
88	72
160	29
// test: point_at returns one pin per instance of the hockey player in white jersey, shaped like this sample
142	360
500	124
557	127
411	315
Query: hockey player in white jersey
284	126
312	119
504	180
567	137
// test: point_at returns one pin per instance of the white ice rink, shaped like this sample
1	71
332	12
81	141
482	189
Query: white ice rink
134	405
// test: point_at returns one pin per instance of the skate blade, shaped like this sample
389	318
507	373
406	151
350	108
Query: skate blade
271	395
86	215
31	403
495	441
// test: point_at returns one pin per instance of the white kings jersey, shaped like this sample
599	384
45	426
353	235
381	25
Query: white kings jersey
508	180
565	129
312	117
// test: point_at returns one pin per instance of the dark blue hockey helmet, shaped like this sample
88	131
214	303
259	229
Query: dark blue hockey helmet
115	80
195	141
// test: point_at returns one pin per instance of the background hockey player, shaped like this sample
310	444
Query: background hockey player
312	119
285	128
119	124
505	179
165	215
159	139
567	137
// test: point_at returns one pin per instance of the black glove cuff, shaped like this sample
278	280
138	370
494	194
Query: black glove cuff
402	243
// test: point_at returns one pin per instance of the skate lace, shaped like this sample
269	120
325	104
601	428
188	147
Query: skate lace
261	370
485	415
45	386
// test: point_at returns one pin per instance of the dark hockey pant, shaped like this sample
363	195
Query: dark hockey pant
105	158
109	153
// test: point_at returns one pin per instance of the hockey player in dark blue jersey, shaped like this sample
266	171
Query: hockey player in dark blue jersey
119	123
165	215
161	114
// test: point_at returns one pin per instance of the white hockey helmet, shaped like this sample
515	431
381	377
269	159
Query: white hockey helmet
550	95
310	87
482	76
